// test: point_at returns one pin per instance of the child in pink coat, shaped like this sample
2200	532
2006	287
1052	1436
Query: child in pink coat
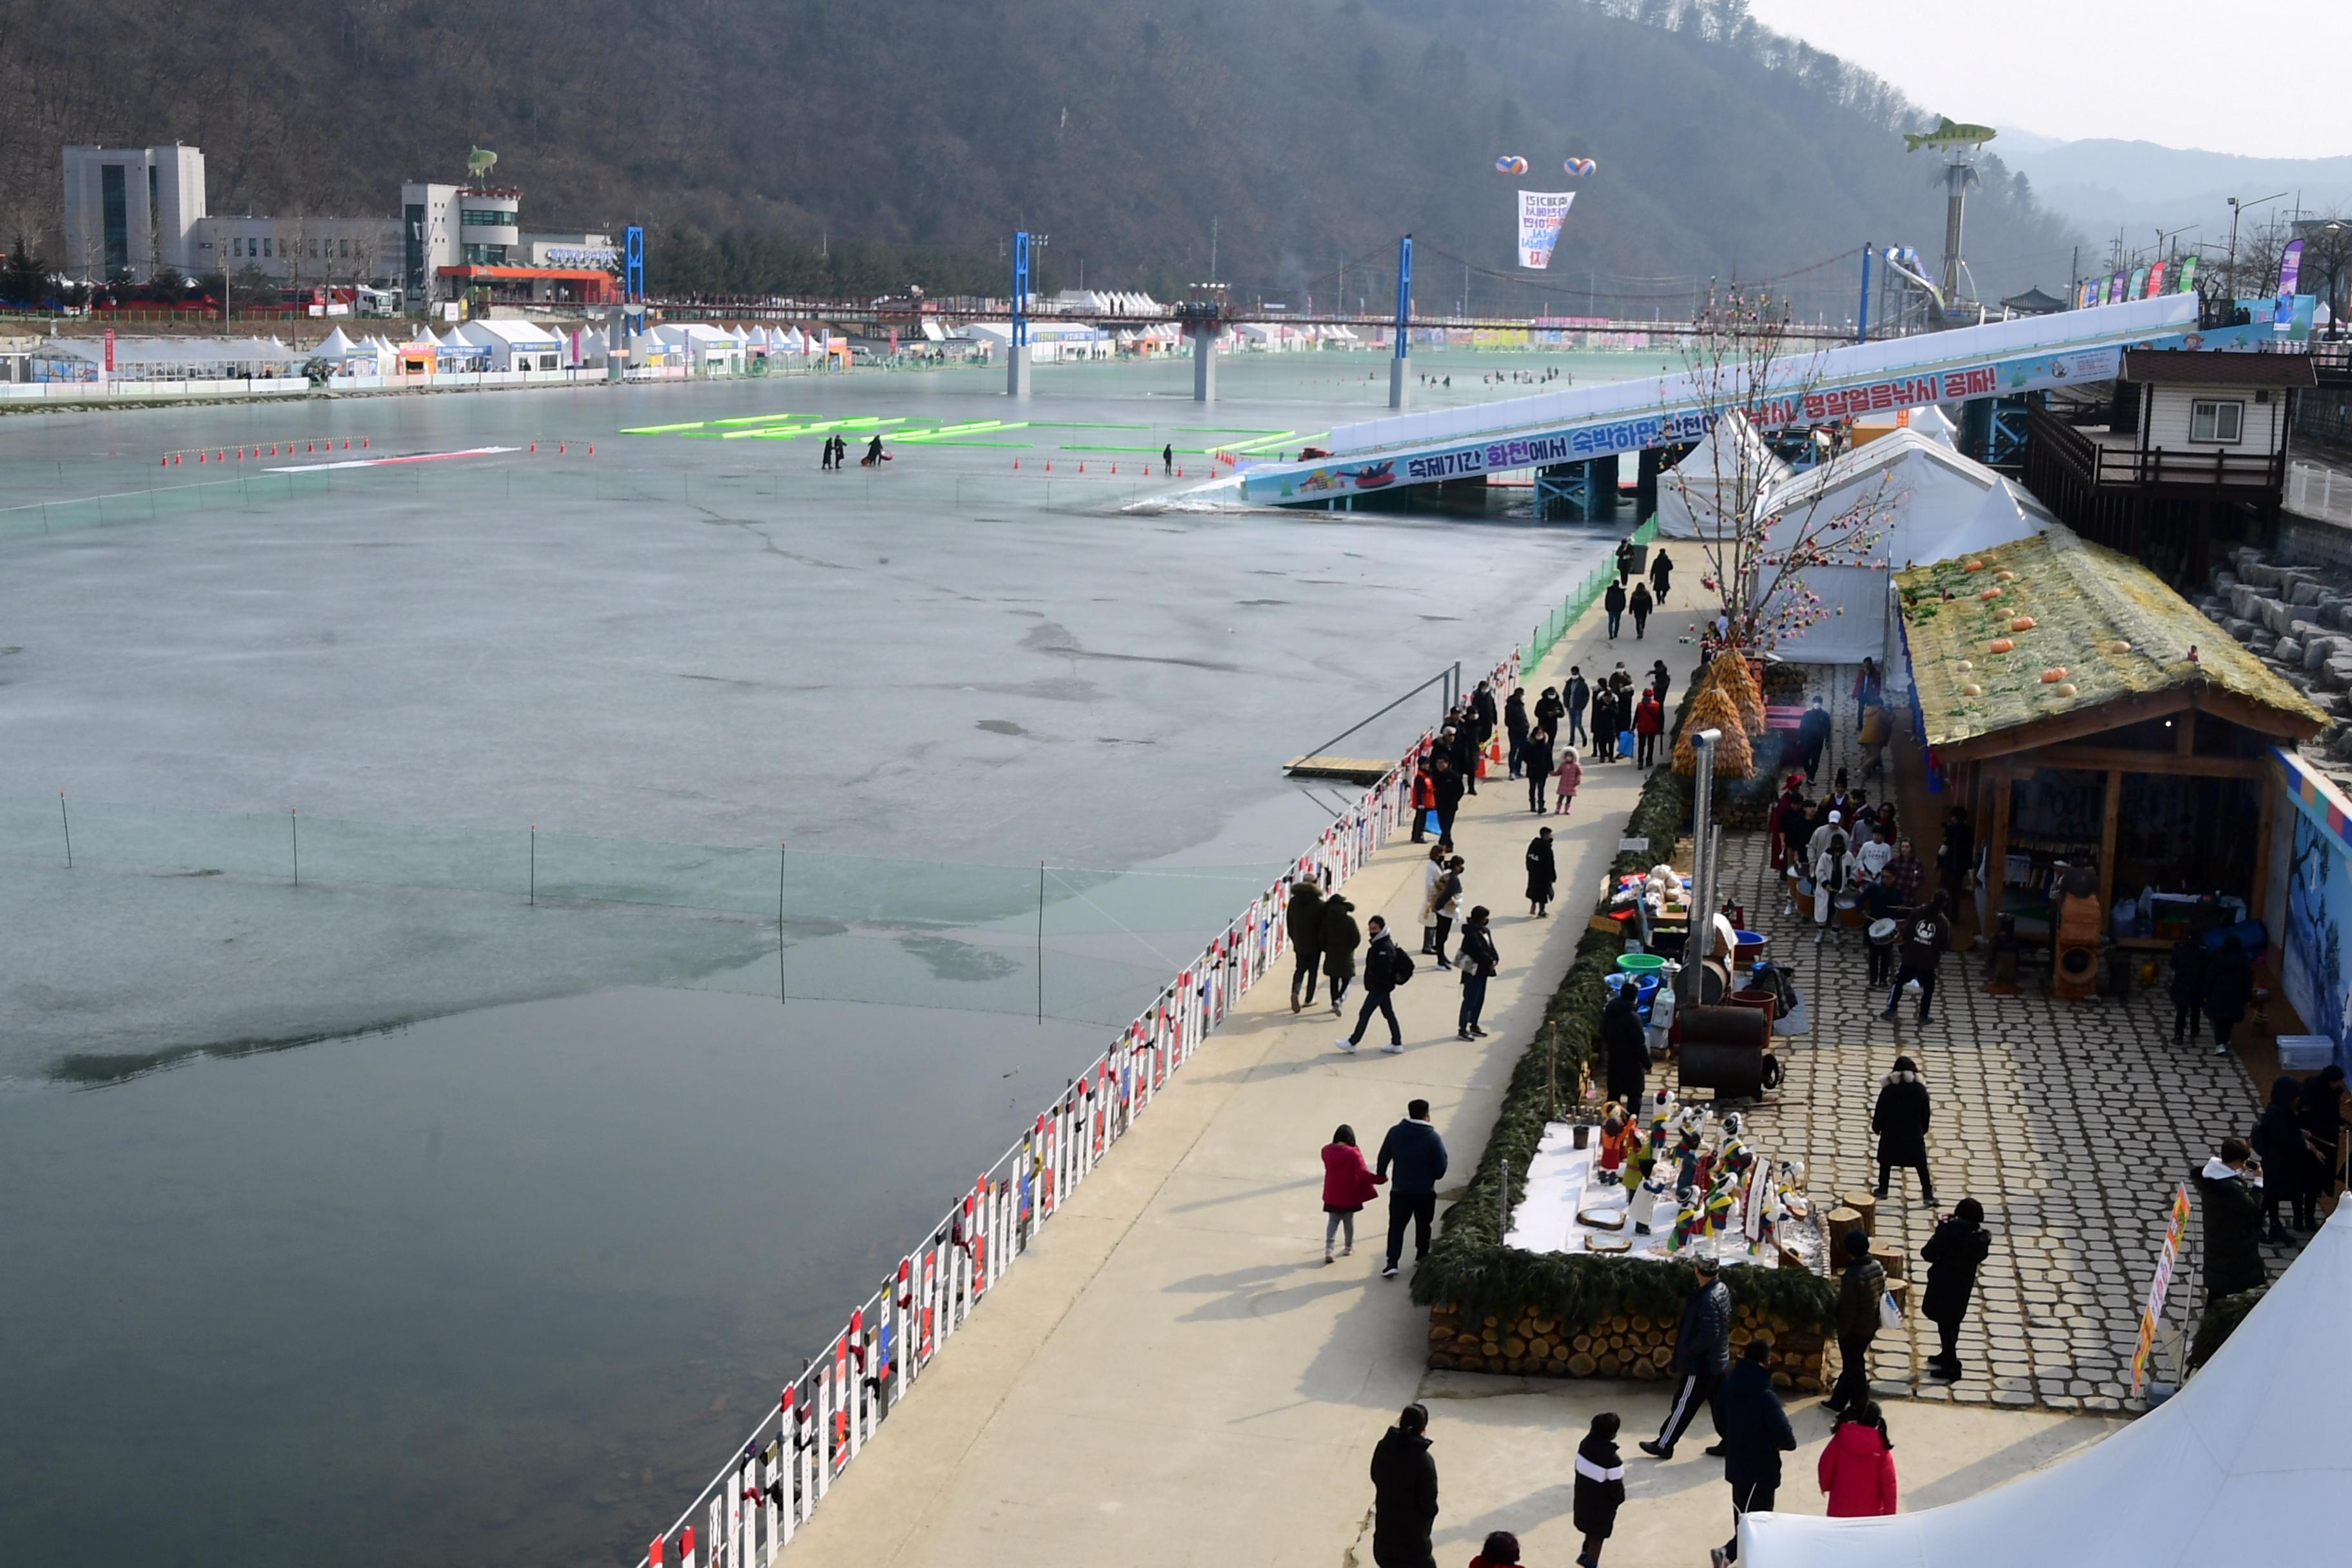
1565	779
1347	1185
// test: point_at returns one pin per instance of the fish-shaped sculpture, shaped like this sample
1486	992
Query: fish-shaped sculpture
1949	137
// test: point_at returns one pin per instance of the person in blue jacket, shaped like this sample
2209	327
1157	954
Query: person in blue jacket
1756	1433
1418	1154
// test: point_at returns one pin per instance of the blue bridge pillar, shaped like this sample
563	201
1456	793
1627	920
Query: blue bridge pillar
1577	493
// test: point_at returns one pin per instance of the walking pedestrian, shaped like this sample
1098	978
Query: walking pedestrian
1575	697
2229	986
2190	956
1567	778
1661	680
1614	601
1515	725
1903	878
1536	748
1953	1255
1479	962
1382	966
1404	1493
1649	721
1303	915
824	463
1662	574
1702	1355
1347	1185
1600	1487
1639	604
1900	1120
1340	939
1791	822
2290	1168
1624	1048
1926	935
1543	873
1861	1287
1624	561
1813	737
1425	798
1416	1150
1877	853
1857	1469
1168	459
1445	781
1755	1429
2230	1184
1445	907
1832	874
1958	856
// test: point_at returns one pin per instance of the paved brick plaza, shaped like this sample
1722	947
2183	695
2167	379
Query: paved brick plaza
2071	1122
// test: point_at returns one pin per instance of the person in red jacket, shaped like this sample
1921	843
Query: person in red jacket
1857	1472
1649	723
1347	1185
1425	799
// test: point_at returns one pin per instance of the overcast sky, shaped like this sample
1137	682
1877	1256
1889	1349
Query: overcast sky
2172	71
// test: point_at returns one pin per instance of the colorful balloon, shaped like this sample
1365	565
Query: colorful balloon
1579	167
1510	163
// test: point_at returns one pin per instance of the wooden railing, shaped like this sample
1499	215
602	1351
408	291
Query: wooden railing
2101	464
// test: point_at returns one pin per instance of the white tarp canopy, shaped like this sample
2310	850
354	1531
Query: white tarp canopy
1732	462
1933	503
2238	1467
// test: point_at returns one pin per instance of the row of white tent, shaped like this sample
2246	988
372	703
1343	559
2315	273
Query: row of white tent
1903	498
501	345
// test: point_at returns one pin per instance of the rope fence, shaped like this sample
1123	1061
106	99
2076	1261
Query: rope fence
824	1417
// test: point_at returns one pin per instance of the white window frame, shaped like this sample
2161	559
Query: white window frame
2213	409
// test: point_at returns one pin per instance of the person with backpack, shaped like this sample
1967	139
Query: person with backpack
1340	939
1614	601
1347	1185
1900	1120
1416	1150
1404	1493
1600	1487
1386	967
1479	962
1953	1255
1862	1290
1755	1428
1640	605
1833	873
1303	917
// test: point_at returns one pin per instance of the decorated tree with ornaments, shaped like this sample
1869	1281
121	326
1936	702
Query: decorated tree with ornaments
1760	528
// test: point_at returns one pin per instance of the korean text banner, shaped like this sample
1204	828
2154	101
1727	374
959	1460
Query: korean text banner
1541	213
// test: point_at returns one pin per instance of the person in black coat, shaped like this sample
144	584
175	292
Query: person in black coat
1756	1433
1901	1122
1418	1154
2290	1169
1662	680
1813	737
2229	987
1953	1256
2189	964
1641	604
1702	1356
2321	1111
1662	574
1303	917
2230	1185
1515	724
1614	601
1342	938
1624	1047
1404	1493
1600	1487
1446	780
1536	752
1574	698
1543	873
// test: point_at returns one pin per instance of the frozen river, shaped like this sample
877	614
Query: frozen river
501	1284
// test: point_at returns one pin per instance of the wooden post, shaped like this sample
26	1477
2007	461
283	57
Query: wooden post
2185	741
1997	855
2107	842
2258	895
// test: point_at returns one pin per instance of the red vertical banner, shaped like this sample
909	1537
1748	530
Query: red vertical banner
110	351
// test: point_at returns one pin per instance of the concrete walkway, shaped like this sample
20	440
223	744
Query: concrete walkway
1174	1376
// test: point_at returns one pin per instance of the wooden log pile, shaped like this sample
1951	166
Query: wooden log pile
1625	1346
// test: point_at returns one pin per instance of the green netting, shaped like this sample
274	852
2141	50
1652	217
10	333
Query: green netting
1547	636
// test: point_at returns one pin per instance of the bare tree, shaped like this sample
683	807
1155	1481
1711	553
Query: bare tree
1747	383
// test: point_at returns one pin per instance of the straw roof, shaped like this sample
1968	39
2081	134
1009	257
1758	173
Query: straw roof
2109	623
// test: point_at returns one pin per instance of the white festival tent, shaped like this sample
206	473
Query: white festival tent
2248	1463
1733	461
1933	504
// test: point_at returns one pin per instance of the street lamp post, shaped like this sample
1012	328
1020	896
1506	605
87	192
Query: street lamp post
2238	209
1702	904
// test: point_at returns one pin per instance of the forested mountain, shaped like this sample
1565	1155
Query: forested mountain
1297	135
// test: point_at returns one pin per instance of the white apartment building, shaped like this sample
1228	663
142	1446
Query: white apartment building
131	211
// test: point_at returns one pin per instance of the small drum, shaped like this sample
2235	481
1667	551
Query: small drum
1850	912
1800	893
1882	933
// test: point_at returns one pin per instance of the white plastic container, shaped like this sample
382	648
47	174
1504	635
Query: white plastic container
2305	1053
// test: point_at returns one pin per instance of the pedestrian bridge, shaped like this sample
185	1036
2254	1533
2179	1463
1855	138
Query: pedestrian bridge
1579	425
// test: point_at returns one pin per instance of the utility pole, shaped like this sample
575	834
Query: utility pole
1213	250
